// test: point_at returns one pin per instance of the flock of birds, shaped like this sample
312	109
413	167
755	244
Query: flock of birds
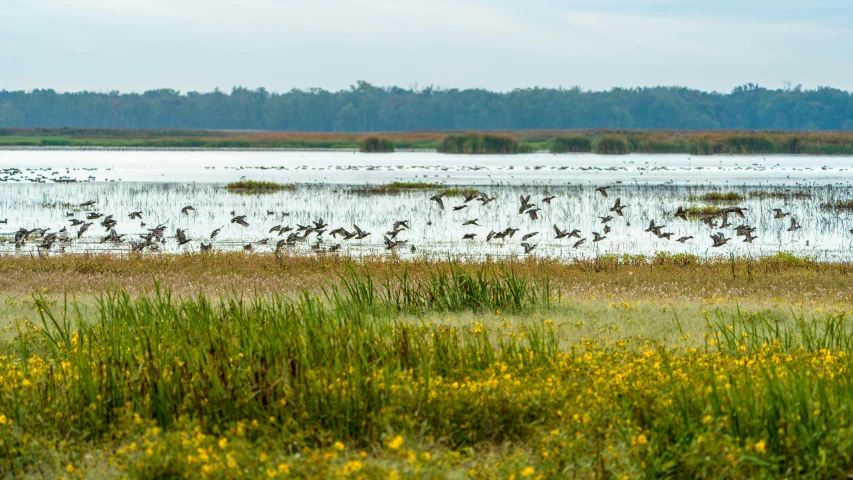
155	237
717	220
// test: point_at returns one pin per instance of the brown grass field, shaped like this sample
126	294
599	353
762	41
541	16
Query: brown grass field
662	278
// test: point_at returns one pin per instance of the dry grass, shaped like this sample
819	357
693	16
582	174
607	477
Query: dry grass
663	278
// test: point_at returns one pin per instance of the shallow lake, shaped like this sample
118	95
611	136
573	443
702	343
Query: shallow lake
160	183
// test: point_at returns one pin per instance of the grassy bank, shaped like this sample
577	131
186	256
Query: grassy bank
430	370
557	141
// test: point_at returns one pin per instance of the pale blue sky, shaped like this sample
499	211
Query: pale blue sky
135	45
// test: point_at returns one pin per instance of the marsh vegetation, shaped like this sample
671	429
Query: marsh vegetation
492	369
257	187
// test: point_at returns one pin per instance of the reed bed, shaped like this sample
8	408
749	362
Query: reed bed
704	211
338	383
256	186
611	145
479	143
571	144
718	197
376	145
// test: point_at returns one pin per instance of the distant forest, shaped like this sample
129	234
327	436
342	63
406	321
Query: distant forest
368	108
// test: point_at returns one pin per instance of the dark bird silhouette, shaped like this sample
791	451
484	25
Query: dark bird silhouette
681	213
529	235
359	233
656	229
214	233
528	247
469	236
485	199
437	199
719	239
525	204
83	229
87	204
606	219
240	220
186	210
618	207
684	239
735	210
779	213
401	224
181	235
560	233
532	213
135	215
794	225
579	243
597	237
459	207
471	222
548	199
602	191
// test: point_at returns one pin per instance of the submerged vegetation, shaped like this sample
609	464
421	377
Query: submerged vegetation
479	143
376	145
255	186
430	369
520	141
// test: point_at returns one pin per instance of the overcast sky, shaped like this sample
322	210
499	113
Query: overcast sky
137	45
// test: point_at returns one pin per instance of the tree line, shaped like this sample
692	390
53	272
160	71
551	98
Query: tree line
368	108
